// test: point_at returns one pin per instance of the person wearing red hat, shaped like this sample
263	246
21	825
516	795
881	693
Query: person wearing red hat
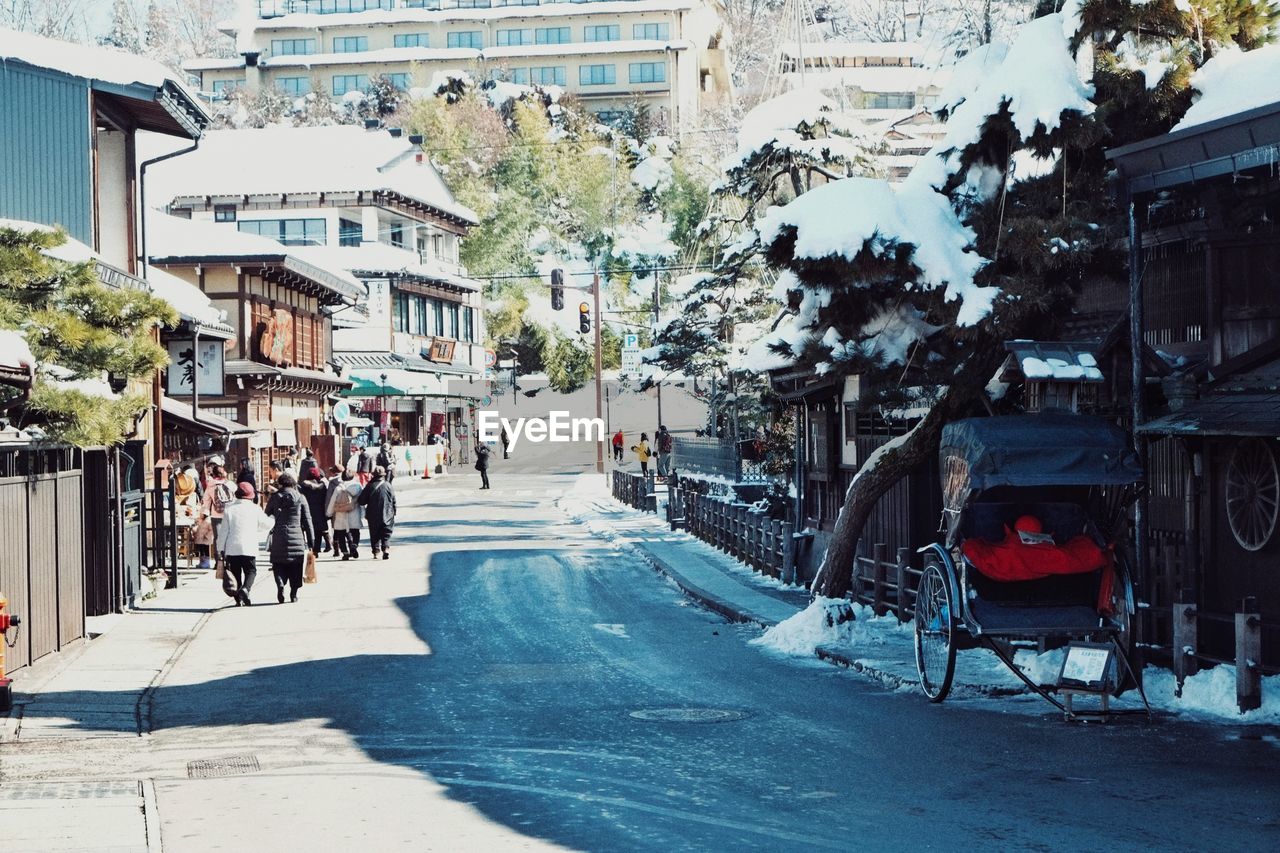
244	525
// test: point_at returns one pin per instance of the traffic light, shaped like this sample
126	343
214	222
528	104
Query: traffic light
557	290
584	318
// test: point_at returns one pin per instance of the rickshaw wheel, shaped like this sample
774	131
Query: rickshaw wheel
935	631
1123	601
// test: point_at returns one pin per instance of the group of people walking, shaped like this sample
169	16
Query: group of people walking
303	518
659	452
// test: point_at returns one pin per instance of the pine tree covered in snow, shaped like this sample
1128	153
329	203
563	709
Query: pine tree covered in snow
125	32
916	289
78	330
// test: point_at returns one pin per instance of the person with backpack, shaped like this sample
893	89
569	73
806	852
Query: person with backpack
217	495
643	453
348	516
618	441
665	444
379	501
482	464
387	459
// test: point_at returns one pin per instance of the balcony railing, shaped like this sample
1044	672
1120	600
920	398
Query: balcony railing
277	8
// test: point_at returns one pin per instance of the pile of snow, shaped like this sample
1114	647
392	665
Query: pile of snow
14	350
1232	82
1153	60
1211	694
1085	369
827	622
779	122
89	387
187	299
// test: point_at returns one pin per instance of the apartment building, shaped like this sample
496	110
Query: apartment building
668	53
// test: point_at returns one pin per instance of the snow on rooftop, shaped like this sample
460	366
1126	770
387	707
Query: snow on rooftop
306	160
1232	82
80	60
839	219
14	350
855	48
879	79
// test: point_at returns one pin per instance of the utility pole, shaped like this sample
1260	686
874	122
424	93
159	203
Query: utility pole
595	295
657	317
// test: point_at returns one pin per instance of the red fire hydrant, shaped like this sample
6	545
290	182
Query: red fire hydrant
7	621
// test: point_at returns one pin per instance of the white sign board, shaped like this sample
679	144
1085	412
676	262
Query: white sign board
186	368
630	353
1086	666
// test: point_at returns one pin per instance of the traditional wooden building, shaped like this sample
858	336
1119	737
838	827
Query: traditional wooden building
1205	207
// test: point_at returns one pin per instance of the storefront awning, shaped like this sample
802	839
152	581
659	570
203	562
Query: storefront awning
205	423
398	383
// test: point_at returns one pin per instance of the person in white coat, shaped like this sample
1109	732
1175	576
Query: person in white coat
347	515
244	526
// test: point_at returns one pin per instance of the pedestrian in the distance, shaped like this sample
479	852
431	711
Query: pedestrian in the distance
506	443
244	525
643	453
292	536
618	441
482	464
665	444
348	516
387	459
365	463
246	474
218	494
335	480
315	488
379	502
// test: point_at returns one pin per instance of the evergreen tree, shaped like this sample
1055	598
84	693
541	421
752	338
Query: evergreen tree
124	32
79	331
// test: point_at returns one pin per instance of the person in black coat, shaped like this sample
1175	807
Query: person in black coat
315	488
379	502
482	464
247	474
291	537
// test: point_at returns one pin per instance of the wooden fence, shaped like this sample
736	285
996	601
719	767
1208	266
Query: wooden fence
635	490
741	530
886	585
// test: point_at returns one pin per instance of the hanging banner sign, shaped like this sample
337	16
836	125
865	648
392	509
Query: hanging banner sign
190	371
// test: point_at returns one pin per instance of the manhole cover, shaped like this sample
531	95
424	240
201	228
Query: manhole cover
688	715
212	768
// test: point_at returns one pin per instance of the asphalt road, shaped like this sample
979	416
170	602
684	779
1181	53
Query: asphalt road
507	682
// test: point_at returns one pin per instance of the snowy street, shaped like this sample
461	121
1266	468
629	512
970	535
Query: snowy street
509	681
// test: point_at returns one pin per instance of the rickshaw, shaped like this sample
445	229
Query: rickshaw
1035	508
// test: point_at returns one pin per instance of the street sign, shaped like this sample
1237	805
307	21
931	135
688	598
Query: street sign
490	358
630	353
341	412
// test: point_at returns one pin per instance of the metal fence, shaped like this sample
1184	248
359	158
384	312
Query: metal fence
716	457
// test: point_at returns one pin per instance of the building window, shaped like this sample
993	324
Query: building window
552	35
350	44
597	75
400	312
223	88
343	83
349	232
651	32
602	32
511	75
891	101
548	75
452	330
397	234
293	85
411	40
437	310
291	232
224	213
474	4
512	38
469	38
402	80
648	72
292	47
468	325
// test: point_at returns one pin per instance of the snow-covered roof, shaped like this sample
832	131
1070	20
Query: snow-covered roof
303	20
100	64
1062	362
173	240
14	350
376	260
303	160
1232	82
187	299
888	78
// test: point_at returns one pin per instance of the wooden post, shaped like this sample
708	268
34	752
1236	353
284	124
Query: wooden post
1248	656
788	553
904	562
878	570
775	547
1185	642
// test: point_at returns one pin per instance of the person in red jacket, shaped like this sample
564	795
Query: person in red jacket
618	442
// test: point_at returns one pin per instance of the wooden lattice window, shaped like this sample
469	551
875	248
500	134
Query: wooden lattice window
1252	494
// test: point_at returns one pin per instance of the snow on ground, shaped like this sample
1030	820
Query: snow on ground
1230	83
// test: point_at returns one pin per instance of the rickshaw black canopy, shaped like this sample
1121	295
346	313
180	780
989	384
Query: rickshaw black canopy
1047	449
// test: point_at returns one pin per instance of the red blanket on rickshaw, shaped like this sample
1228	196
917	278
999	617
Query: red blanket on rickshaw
1020	558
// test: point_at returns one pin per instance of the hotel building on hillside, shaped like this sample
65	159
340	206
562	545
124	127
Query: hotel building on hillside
669	53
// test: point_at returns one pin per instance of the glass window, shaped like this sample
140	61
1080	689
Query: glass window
291	232
468	325
597	75
411	40
602	32
397	234
400	312
552	35
548	75
651	32
350	44
509	38
467	38
891	101
292	47
452	330
294	85
350	233
223	88
437	310
511	75
648	72
401	80
224	213
417	318
343	83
